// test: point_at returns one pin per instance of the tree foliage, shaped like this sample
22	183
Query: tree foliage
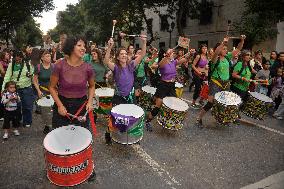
13	14
259	20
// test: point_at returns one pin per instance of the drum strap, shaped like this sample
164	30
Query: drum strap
219	84
92	120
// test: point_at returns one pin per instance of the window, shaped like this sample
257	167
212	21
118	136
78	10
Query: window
162	45
205	12
137	46
183	20
164	22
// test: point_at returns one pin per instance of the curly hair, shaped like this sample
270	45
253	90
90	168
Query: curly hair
100	58
70	43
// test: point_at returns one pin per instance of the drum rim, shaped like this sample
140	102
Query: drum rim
178	85
178	99
133	105
66	154
105	88
229	104
260	94
41	99
152	90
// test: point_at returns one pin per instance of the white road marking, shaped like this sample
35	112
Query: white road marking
262	126
165	175
275	181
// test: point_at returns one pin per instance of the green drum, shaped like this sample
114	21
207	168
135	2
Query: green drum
103	100
172	113
257	105
146	97
127	123
226	107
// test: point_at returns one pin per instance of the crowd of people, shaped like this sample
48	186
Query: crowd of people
71	70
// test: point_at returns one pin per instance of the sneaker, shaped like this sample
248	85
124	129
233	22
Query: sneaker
1	119
194	106
149	126
199	123
5	136
27	125
201	102
277	117
16	132
46	129
108	138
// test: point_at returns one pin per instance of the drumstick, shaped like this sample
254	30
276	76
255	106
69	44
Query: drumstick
122	35
44	88
113	26
228	27
100	85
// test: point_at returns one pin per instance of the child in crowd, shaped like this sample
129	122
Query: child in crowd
10	99
277	84
263	74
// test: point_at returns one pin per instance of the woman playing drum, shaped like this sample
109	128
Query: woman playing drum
167	67
220	74
75	81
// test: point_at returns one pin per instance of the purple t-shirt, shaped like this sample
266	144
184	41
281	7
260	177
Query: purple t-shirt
72	81
124	78
168	71
202	63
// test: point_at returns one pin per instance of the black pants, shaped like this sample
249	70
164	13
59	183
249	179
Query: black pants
198	83
13	116
165	89
72	105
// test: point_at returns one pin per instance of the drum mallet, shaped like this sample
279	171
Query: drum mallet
113	26
228	27
122	35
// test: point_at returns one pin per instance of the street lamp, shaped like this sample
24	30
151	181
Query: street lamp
170	30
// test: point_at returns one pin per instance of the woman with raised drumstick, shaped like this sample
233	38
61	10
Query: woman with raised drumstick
123	75
71	83
220	74
167	67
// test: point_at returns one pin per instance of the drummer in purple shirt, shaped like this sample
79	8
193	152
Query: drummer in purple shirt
71	83
123	72
167	67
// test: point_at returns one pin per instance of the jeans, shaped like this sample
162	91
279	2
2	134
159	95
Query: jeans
27	100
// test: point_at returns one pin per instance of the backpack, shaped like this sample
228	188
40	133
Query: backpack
234	80
21	69
213	67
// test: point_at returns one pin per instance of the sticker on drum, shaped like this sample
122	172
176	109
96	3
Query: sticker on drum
46	101
149	89
175	104
127	123
104	92
178	85
228	98
261	97
68	155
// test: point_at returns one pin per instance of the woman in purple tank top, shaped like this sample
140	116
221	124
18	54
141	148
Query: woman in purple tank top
72	84
123	72
166	87
200	72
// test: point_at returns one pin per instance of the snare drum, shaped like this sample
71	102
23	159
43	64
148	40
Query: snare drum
179	89
46	101
127	122
105	96
68	155
146	97
257	105
226	107
172	113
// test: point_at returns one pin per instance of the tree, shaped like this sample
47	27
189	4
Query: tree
14	13
259	20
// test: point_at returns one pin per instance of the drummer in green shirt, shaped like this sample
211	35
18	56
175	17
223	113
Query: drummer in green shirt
241	75
99	68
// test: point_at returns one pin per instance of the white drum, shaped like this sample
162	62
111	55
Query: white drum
173	112
103	100
127	123
46	101
179	89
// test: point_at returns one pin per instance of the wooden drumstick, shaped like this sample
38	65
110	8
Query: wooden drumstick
228	27
113	26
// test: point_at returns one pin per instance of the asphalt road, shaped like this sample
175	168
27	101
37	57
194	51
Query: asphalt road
213	157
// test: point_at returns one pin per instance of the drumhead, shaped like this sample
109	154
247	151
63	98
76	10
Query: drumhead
261	97
178	85
46	101
175	104
128	110
104	92
67	140
228	98
149	89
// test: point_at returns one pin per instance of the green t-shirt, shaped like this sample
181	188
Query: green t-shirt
246	73
140	70
87	57
222	72
43	75
99	70
271	62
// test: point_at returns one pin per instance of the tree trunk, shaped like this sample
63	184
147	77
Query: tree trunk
179	17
